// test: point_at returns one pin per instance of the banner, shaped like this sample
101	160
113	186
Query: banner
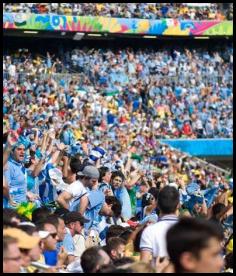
173	27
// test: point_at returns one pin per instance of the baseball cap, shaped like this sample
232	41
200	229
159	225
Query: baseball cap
89	171
43	234
61	212
25	241
73	217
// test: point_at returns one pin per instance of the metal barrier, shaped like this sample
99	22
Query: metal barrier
58	77
67	77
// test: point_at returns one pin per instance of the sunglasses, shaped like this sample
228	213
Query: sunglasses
25	251
53	235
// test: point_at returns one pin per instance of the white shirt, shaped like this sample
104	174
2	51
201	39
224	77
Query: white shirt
153	238
79	240
76	189
12	70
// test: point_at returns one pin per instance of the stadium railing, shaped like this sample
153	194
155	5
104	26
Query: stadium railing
67	77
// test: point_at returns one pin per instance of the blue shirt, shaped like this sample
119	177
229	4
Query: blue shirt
67	137
96	200
104	186
47	191
16	179
67	243
103	227
31	181
122	195
50	257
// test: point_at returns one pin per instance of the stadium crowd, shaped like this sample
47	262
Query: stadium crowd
202	11
80	206
140	95
87	186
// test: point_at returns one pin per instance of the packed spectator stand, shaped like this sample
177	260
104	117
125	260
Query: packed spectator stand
176	93
201	11
88	187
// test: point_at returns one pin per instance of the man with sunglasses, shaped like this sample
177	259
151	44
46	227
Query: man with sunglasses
49	242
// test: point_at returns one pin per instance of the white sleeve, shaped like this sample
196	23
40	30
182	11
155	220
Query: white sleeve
146	240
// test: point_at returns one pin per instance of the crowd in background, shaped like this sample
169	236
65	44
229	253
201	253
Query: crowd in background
202	11
140	94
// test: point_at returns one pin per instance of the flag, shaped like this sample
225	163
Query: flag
192	201
192	188
209	195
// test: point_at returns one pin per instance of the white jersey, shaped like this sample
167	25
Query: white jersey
153	238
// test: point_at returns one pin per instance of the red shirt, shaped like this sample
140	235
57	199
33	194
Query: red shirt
187	129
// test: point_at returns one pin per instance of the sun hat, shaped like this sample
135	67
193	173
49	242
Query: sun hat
25	241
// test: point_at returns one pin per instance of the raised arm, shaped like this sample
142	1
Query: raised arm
65	166
128	164
11	141
135	178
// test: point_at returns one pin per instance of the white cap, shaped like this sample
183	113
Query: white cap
43	234
173	185
27	223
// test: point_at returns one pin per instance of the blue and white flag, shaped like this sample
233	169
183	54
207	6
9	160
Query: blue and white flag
209	195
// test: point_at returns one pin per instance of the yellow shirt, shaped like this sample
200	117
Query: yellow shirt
129	251
78	134
184	177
